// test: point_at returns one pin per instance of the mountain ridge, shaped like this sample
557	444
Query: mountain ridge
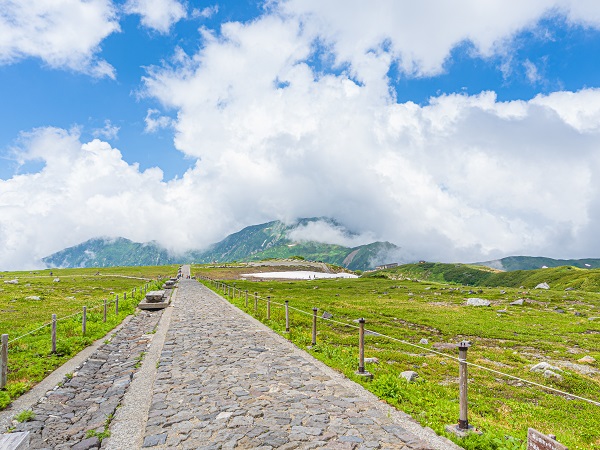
512	263
255	242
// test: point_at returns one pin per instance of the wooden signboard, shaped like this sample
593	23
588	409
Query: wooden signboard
539	441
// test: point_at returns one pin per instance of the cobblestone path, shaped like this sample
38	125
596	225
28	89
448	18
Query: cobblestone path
65	416
225	381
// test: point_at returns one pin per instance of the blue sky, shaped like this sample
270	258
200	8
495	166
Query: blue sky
459	133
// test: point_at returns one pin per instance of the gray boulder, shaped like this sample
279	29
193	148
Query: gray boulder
543	286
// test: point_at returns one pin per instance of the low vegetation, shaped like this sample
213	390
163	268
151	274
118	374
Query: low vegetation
566	277
26	309
552	325
405	305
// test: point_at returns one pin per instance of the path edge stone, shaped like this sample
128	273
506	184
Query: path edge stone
30	398
401	418
128	425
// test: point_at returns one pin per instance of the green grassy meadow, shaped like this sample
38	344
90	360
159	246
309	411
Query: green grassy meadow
553	325
26	312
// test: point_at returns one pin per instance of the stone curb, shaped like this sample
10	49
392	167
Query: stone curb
30	398
127	427
401	418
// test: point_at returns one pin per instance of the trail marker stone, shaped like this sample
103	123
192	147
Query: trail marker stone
154	300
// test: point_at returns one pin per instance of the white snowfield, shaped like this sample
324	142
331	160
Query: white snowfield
299	275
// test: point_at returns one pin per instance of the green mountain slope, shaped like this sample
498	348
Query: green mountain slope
558	277
107	252
268	240
537	262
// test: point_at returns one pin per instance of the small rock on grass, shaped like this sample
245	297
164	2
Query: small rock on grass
543	367
409	375
551	374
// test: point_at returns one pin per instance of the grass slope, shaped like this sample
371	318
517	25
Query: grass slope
537	262
26	311
558	277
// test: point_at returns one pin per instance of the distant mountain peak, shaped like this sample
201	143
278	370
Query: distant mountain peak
317	238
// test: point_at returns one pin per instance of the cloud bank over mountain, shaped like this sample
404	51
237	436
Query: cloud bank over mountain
296	114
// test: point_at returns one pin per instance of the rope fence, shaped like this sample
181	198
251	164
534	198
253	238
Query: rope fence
5	342
461	359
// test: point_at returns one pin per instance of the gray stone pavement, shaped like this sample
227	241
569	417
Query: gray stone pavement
226	381
75	413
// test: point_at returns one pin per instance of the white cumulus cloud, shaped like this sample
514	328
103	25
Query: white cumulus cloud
419	36
159	15
276	136
206	13
108	131
65	34
154	121
459	178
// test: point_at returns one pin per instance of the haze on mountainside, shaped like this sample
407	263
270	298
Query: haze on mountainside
255	243
457	131
274	240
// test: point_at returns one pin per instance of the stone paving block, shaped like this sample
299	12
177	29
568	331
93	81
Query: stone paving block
154	440
86	400
252	390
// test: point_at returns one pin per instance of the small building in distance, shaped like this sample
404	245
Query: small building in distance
386	266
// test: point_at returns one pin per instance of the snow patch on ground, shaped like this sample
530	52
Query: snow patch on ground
299	275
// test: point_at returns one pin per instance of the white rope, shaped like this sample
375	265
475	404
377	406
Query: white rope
30	332
460	360
109	302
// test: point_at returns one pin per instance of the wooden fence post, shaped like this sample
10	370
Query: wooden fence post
463	421
361	350
287	316
104	318
255	302
117	305
84	320
314	327
268	307
4	362
53	333
246	298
